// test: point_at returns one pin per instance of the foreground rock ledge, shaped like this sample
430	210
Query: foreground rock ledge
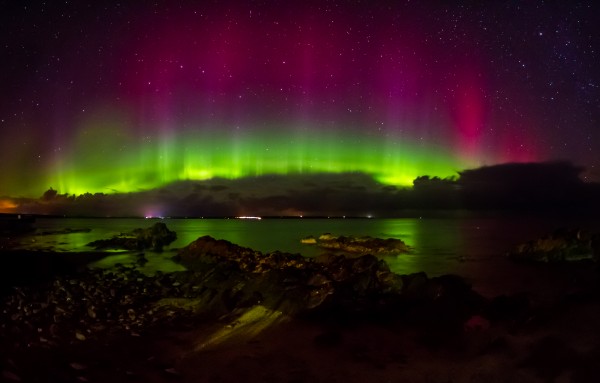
222	280
109	325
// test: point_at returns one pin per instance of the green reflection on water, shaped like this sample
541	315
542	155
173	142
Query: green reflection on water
434	242
155	262
439	240
407	231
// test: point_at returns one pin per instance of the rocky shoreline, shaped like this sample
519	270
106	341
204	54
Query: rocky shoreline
237	307
563	245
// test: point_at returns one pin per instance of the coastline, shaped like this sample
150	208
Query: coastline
517	339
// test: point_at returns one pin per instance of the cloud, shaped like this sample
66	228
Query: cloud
527	186
554	186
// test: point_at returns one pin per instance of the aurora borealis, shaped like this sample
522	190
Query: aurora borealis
120	97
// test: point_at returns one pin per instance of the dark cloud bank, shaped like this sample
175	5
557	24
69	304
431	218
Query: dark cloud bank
534	187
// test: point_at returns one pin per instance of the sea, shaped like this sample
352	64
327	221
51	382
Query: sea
474	248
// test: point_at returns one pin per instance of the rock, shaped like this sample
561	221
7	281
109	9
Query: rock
318	296
390	282
155	237
318	280
310	240
10	376
414	285
79	336
560	246
207	251
327	237
359	245
287	282
222	278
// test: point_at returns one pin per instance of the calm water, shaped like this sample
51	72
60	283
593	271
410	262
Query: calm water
474	248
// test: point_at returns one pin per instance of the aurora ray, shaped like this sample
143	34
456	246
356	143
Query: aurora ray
204	153
116	98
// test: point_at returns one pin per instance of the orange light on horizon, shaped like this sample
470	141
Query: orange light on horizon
7	205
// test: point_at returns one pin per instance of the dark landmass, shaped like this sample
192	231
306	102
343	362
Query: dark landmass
542	188
237	313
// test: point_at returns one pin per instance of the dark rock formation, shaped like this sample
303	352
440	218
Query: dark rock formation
224	280
560	246
359	245
229	291
293	284
154	237
88	305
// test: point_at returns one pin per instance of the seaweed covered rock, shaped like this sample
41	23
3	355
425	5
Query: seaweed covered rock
206	251
364	274
154	237
564	245
359	245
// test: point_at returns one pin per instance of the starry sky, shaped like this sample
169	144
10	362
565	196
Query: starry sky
113	97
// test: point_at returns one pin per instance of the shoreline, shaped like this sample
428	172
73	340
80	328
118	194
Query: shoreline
423	340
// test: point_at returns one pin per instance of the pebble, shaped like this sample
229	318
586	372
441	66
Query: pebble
77	366
79	336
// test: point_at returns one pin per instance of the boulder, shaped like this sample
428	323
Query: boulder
561	246
206	251
359	245
242	276
154	237
206	247
310	240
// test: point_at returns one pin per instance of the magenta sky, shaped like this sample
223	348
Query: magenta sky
490	83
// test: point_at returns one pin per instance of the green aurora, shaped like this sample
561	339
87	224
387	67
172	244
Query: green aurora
100	163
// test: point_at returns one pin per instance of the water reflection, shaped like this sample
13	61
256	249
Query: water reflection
264	235
155	262
434	245
407	231
471	247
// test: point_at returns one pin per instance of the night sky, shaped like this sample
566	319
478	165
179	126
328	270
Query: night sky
126	96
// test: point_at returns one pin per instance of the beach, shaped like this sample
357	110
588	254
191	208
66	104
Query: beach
333	319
